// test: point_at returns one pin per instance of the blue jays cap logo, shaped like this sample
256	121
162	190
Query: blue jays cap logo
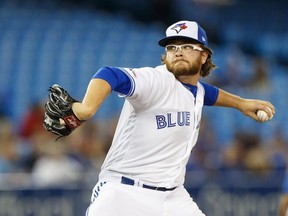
179	27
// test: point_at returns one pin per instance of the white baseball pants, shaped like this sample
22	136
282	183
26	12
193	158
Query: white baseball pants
116	199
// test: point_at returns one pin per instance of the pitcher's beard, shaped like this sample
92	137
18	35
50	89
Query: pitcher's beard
183	70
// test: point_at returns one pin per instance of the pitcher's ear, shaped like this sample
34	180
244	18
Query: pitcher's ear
204	56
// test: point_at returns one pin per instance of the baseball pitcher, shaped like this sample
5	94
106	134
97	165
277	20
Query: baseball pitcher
143	173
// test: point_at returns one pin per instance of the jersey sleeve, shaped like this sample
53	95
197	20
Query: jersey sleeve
117	79
137	84
211	94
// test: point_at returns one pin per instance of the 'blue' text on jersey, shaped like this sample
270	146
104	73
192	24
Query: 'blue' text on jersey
173	119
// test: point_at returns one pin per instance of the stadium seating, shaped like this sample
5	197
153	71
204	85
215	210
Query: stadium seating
41	47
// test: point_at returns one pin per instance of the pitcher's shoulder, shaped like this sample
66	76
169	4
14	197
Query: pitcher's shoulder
161	68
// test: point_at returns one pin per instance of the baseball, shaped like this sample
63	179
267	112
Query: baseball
263	116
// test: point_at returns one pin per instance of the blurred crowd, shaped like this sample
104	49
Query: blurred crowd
30	149
77	159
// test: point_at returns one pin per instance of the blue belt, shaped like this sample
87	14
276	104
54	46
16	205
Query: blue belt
128	181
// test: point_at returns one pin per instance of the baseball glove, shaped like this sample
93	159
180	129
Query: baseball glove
59	106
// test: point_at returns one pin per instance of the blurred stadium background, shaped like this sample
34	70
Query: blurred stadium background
238	166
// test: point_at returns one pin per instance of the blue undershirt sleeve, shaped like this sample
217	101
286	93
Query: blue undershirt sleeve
116	78
211	94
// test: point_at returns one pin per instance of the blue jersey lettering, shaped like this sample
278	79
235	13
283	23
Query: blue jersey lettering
161	121
173	119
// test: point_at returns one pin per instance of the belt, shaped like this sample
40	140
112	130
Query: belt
128	181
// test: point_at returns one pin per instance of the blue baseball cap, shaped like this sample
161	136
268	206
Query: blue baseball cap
185	30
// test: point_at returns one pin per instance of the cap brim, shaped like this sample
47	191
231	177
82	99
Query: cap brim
165	41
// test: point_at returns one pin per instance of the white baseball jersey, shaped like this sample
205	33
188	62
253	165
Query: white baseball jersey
157	129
